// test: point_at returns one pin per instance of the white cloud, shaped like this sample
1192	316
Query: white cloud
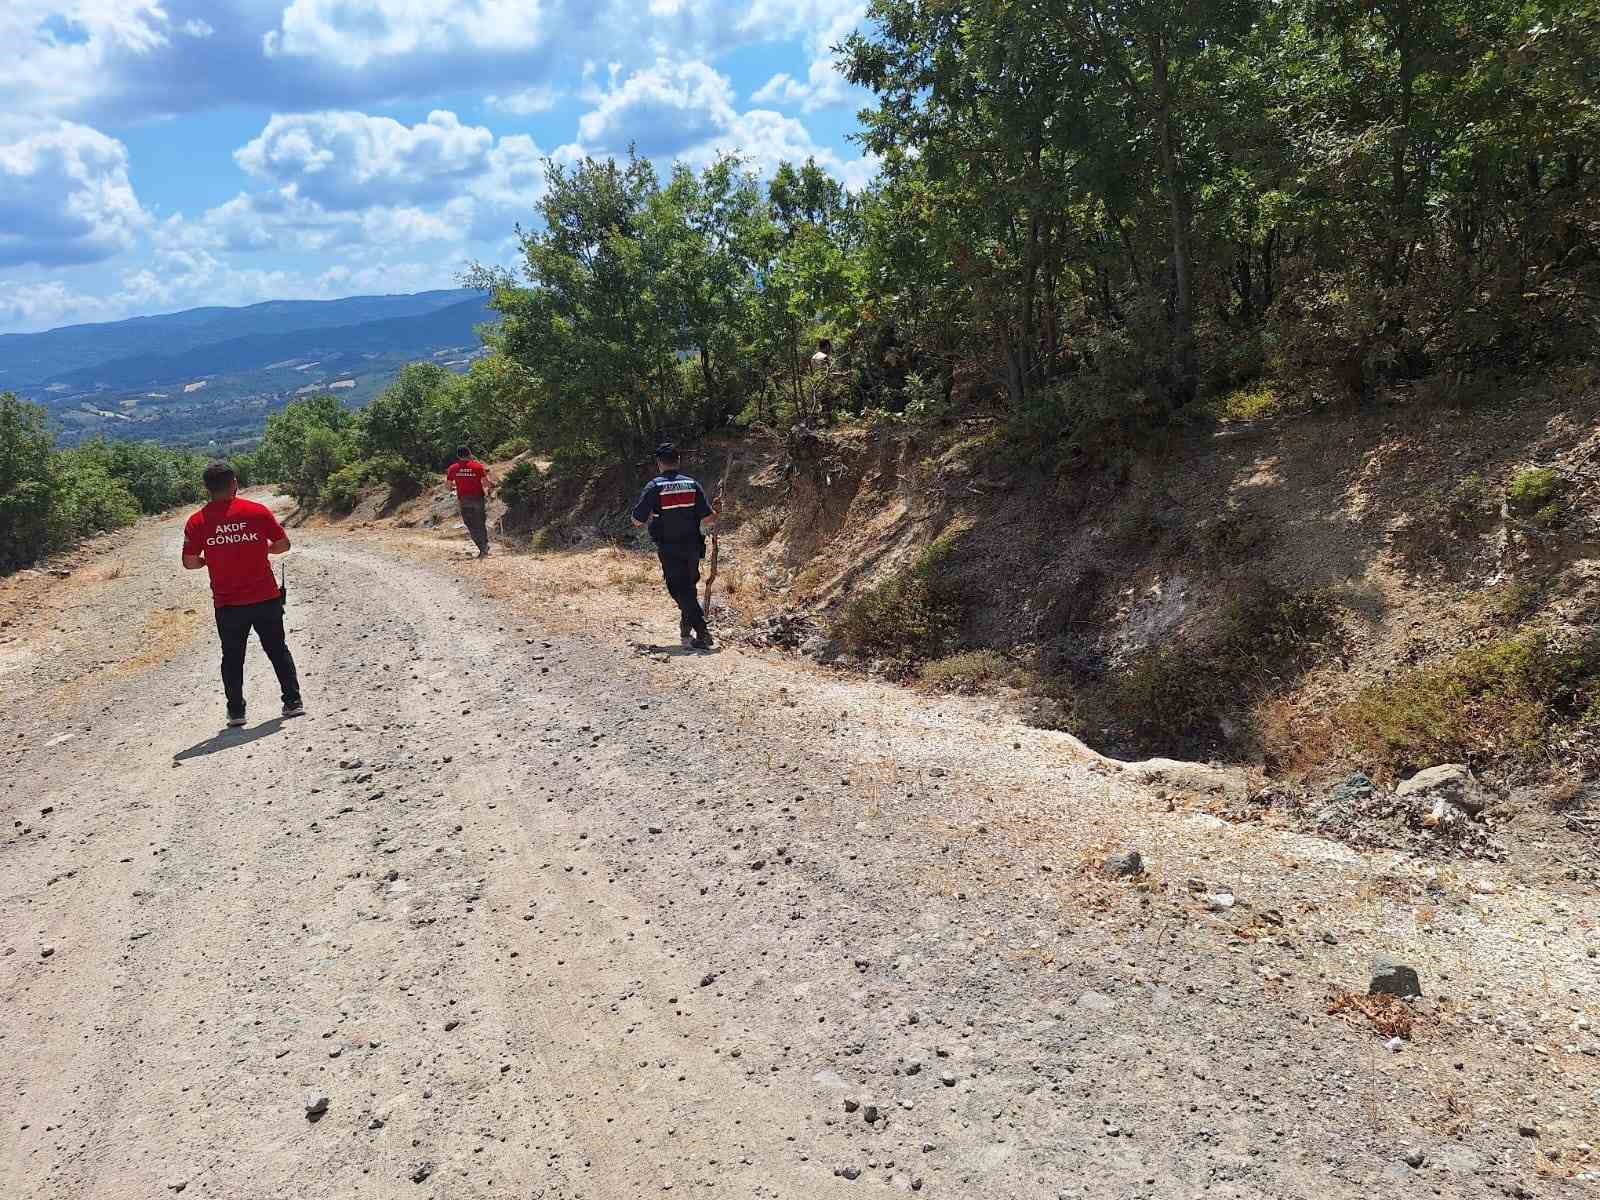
57	50
665	108
347	181
90	59
43	305
333	186
526	103
509	190
352	160
822	24
284	222
185	279
354	33
762	139
65	197
686	111
824	87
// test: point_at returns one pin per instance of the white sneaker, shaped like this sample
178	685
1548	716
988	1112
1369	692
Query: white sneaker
297	709
235	722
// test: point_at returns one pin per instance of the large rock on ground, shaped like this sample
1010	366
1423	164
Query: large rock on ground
1127	865
1450	782
1390	978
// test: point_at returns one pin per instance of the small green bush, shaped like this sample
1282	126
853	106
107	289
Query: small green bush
1250	403
399	475
913	615
1533	490
89	500
1510	699
326	451
575	460
925	398
520	485
342	490
511	448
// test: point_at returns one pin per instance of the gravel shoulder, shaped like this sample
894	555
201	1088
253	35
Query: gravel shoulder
543	909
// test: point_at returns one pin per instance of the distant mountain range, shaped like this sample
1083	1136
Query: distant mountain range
213	374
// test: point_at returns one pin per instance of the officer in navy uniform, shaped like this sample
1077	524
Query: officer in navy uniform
673	506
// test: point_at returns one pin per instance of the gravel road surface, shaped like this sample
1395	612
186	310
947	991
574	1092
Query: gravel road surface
525	910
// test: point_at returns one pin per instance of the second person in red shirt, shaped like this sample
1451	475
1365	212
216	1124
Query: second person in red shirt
474	486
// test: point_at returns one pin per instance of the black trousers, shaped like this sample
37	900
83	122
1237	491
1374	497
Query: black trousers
475	516
681	570
234	624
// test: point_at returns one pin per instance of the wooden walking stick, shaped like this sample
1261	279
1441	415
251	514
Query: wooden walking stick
716	540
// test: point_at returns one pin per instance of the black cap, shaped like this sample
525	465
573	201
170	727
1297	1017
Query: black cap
666	450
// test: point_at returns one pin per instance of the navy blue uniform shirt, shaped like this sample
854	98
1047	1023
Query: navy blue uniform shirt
673	505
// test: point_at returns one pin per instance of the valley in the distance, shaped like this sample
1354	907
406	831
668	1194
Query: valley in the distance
213	375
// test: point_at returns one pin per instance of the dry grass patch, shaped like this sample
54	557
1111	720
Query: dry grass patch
1388	1016
971	671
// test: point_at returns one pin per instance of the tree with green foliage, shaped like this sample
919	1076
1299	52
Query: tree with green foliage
156	477
421	417
498	396
27	481
323	453
593	327
89	499
282	451
1099	211
51	498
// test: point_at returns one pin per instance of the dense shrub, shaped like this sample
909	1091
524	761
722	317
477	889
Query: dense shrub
157	478
519	485
511	448
1533	489
1509	700
342	490
325	452
914	615
1536	494
1177	696
401	476
51	498
969	671
89	499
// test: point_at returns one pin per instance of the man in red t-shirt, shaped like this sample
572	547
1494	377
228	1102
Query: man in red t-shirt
231	538
473	486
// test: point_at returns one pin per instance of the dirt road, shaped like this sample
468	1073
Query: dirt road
543	913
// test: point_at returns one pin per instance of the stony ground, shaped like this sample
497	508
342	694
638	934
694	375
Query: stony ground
540	908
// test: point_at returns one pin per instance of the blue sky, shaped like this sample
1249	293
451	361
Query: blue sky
162	154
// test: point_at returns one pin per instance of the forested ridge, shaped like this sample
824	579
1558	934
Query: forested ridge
1092	221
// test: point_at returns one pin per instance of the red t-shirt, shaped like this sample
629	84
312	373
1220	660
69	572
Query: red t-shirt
234	536
467	476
